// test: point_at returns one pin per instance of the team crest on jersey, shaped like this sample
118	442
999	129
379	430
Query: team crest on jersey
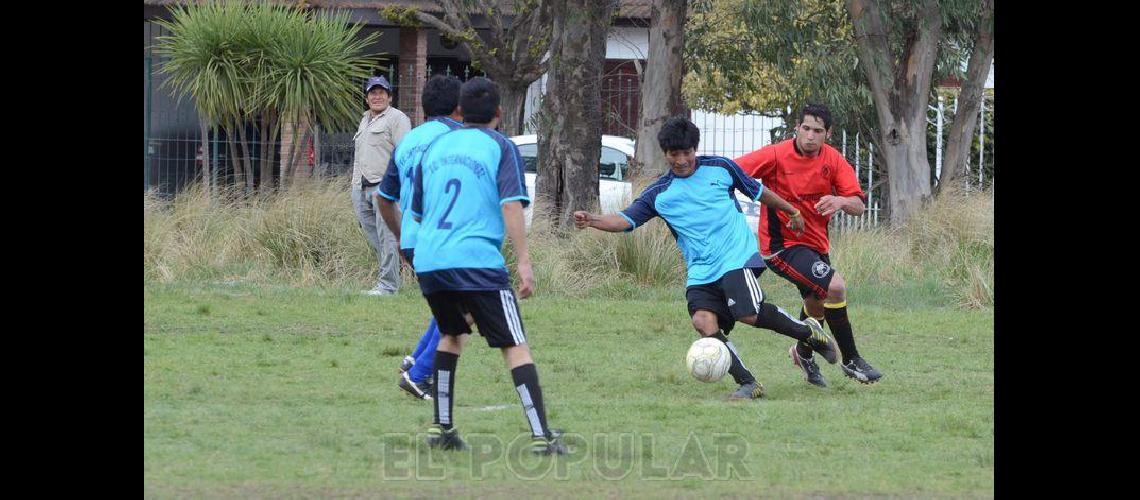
820	269
826	171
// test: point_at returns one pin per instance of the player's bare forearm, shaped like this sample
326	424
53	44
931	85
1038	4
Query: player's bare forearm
853	205
770	198
390	212
516	230
612	223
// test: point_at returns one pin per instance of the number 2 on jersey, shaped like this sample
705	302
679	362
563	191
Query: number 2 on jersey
443	223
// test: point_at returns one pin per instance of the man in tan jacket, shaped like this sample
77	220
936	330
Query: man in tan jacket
381	129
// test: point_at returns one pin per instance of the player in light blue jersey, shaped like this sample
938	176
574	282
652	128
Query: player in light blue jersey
695	198
469	194
440	103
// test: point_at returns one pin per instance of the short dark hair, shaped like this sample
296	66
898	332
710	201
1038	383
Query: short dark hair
678	133
441	95
479	98
819	111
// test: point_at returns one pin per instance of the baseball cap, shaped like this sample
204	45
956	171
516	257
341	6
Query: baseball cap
377	80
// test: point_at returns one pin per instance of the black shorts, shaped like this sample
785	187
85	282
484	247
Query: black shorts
496	313
410	256
735	295
806	268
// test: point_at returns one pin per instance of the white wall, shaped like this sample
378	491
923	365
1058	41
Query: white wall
624	42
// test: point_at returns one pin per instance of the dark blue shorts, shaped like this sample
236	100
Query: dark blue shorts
409	255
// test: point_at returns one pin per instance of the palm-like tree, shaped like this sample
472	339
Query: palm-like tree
266	64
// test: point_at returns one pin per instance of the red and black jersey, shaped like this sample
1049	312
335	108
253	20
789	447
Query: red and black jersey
802	181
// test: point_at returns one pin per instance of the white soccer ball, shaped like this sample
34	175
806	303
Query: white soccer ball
708	359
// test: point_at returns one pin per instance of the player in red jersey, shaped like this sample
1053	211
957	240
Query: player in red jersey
816	179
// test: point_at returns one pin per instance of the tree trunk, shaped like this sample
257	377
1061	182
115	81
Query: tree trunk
288	148
301	170
570	147
900	87
969	101
267	125
908	187
661	85
512	99
246	161
239	179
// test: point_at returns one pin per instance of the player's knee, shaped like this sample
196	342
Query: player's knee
450	343
749	320
837	290
704	323
517	356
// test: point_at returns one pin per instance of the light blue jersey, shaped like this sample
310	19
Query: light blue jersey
398	182
704	217
463	180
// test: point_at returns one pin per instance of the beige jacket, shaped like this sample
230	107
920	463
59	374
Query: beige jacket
375	142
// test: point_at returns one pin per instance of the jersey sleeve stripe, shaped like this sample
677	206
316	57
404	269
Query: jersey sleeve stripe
504	201
737	172
632	224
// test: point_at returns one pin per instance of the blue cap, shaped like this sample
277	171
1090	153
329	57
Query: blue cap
377	80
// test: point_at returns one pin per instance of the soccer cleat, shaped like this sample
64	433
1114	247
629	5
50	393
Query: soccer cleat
421	390
809	367
379	292
751	390
445	439
821	342
861	370
407	363
551	445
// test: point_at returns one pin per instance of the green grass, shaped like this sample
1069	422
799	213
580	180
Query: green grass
258	390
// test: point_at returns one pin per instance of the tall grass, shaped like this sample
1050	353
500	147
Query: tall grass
949	243
309	235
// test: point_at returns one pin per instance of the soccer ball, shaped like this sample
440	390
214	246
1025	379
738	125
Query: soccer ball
708	359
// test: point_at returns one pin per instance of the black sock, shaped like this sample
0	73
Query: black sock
443	393
526	383
775	319
802	347
739	373
841	329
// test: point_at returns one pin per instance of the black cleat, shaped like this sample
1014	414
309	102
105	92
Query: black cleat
821	342
443	439
551	445
861	370
421	390
809	367
751	390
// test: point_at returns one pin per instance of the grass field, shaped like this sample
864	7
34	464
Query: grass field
262	390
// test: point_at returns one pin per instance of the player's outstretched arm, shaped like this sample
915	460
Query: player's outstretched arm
390	211
612	223
795	218
850	205
516	230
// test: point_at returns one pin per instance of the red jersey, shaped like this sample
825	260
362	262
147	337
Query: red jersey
802	181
